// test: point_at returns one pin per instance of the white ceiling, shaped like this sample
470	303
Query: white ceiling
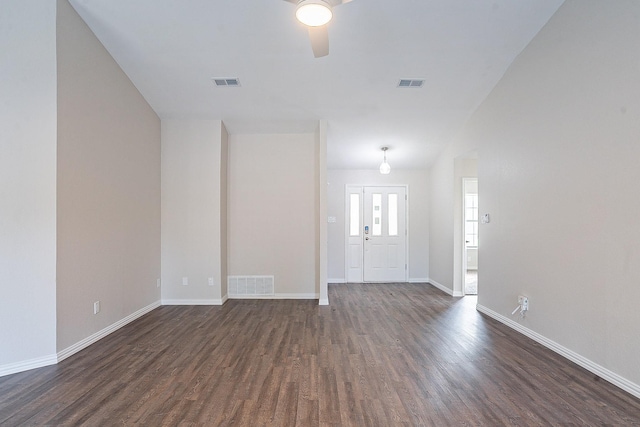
171	49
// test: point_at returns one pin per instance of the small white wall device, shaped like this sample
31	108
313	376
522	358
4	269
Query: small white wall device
523	306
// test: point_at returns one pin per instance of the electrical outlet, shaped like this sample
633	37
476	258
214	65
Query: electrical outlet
210	281
96	307
185	281
523	301
157	283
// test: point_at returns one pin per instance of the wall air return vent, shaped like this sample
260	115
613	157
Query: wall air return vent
250	286
226	81
416	83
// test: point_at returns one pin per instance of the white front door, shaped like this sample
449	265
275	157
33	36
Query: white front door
376	234
385	234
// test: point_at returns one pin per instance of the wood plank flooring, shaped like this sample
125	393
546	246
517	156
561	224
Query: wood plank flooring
379	355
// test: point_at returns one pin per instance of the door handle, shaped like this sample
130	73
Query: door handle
366	238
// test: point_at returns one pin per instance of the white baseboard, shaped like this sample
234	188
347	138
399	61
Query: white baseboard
278	296
225	297
193	301
80	345
410	280
587	364
26	365
323	301
298	296
440	286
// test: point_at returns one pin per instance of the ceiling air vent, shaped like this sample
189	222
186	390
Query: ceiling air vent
411	83
225	81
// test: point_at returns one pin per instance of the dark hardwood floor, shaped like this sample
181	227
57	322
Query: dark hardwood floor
379	355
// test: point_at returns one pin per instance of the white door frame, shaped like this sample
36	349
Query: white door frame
465	181
359	188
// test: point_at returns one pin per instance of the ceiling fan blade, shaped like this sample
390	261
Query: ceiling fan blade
336	2
331	2
319	41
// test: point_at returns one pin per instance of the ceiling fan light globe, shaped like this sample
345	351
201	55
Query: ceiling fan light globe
314	13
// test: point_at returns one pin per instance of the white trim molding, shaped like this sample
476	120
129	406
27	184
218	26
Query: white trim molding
53	359
323	301
336	280
227	297
443	288
26	365
81	345
576	358
419	280
279	296
193	301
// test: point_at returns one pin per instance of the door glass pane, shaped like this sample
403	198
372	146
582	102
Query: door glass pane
377	214
393	214
471	219
354	214
471	200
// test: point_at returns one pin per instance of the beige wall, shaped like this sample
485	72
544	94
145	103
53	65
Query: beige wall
417	180
558	150
441	221
108	210
193	211
27	184
273	210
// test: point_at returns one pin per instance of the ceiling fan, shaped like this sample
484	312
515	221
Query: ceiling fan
315	14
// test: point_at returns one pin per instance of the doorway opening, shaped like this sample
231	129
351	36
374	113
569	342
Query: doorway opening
470	244
376	240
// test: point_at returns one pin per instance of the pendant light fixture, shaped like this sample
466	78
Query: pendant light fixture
384	166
